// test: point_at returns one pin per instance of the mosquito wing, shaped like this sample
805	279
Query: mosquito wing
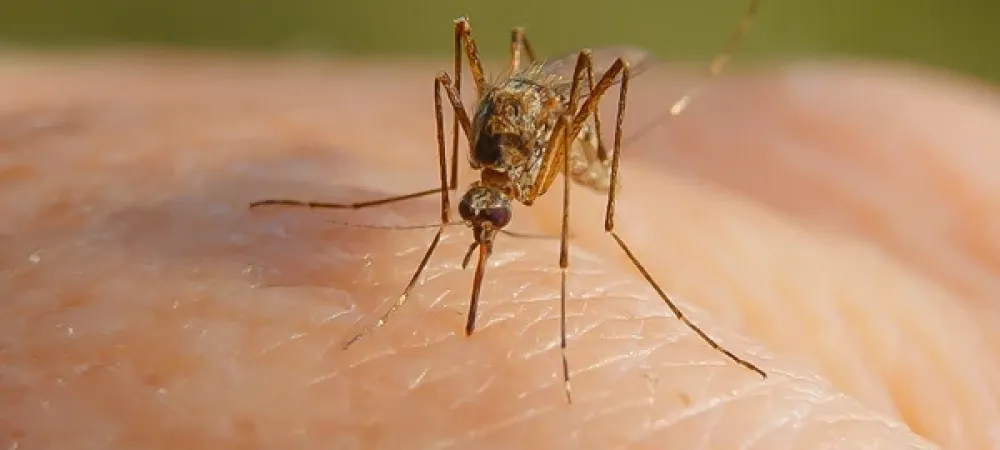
560	70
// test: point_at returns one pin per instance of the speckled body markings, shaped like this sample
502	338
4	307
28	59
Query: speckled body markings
512	129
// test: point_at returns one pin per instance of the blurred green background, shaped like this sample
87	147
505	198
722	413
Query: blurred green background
963	35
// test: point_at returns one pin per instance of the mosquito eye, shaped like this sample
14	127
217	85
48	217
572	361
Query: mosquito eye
499	217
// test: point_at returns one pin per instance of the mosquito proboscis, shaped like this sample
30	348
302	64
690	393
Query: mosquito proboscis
529	125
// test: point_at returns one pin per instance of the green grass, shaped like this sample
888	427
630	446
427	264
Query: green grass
961	34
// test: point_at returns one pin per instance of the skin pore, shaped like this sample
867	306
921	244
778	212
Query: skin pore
835	223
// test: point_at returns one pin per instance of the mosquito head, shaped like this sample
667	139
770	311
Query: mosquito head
486	210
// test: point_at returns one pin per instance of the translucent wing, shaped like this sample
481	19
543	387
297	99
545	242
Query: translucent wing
560	70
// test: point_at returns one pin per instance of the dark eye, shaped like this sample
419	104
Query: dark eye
488	149
499	217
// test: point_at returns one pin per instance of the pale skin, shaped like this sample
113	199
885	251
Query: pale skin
834	223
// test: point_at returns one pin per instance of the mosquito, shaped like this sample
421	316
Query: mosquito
529	125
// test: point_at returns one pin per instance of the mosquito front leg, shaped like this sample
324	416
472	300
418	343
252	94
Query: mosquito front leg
463	37
609	226
355	205
402	297
441	82
460	118
519	41
442	164
463	42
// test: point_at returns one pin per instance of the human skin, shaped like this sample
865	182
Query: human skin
835	223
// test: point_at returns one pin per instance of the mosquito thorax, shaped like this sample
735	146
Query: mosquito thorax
510	119
484	206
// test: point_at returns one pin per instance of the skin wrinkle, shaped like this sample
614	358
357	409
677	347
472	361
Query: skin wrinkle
714	403
795	415
310	255
816	409
553	316
497	427
837	315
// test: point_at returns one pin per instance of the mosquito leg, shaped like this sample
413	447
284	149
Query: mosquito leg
719	61
589	169
552	157
585	65
460	33
564	256
463	34
602	152
442	164
590	104
402	297
356	205
590	163
584	60
609	226
442	81
714	68
519	41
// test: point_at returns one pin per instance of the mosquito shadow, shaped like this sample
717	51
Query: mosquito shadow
208	230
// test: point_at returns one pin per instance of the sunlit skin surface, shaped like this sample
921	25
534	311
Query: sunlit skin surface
835	223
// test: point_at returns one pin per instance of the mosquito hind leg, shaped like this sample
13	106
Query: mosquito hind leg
582	145
714	68
602	152
720	60
609	226
591	163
